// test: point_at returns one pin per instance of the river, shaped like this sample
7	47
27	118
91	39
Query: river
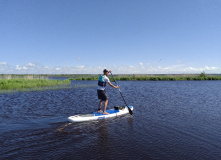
171	120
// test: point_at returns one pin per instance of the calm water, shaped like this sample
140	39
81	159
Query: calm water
172	120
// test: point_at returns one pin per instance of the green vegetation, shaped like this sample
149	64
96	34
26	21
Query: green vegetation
133	77
33	84
155	78
10	83
23	76
125	77
203	74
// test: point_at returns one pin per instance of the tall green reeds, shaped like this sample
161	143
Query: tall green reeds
155	78
21	84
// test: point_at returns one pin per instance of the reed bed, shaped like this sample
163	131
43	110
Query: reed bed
24	84
22	76
155	78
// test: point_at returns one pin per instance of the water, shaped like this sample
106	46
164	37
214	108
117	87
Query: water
172	120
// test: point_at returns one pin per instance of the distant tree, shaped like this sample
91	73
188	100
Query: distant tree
133	77
203	74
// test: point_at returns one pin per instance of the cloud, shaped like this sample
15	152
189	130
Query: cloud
3	63
140	68
18	67
80	67
179	61
30	65
206	68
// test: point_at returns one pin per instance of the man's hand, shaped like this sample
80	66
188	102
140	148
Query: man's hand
117	87
109	71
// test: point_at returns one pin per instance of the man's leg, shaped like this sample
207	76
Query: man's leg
105	106
99	107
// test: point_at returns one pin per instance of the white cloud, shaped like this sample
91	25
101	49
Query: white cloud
206	68
18	67
3	63
30	65
179	61
80	67
25	67
140	68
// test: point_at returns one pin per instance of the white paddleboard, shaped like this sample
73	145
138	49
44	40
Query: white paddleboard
96	115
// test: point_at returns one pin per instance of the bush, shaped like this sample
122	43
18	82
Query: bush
203	74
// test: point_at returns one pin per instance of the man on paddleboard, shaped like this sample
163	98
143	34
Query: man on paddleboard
103	80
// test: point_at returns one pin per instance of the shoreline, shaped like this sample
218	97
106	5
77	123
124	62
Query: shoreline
119	77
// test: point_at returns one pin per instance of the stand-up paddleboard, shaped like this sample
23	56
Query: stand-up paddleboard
117	111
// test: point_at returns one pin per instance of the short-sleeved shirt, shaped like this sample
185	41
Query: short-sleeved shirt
106	79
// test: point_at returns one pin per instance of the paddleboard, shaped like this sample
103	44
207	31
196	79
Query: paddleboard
97	116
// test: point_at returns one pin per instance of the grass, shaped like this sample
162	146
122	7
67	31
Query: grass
34	84
124	77
200	77
10	83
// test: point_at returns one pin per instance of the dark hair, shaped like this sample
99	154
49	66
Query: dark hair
105	70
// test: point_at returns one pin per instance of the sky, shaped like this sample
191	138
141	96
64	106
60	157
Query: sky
125	36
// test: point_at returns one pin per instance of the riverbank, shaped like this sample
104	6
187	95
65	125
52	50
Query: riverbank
120	77
200	77
10	85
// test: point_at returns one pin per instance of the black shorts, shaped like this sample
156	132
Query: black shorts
102	95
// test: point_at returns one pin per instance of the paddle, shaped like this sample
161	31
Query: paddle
130	111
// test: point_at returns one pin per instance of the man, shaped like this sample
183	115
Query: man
102	82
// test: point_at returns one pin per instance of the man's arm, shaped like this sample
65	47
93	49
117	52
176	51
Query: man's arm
113	85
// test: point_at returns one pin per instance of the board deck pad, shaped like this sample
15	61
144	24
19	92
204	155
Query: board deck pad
110	111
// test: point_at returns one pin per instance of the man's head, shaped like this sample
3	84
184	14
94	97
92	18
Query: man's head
105	72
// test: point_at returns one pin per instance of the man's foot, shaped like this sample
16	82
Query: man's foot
99	111
105	113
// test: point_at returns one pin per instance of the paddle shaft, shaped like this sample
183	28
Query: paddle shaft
130	111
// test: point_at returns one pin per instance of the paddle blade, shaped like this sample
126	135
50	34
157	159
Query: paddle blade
130	111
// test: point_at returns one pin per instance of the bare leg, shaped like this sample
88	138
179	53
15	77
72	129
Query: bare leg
99	107
105	106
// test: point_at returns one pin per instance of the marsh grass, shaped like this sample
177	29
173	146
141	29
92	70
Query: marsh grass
12	85
22	76
200	77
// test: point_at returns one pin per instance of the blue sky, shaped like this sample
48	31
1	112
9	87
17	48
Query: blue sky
126	36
